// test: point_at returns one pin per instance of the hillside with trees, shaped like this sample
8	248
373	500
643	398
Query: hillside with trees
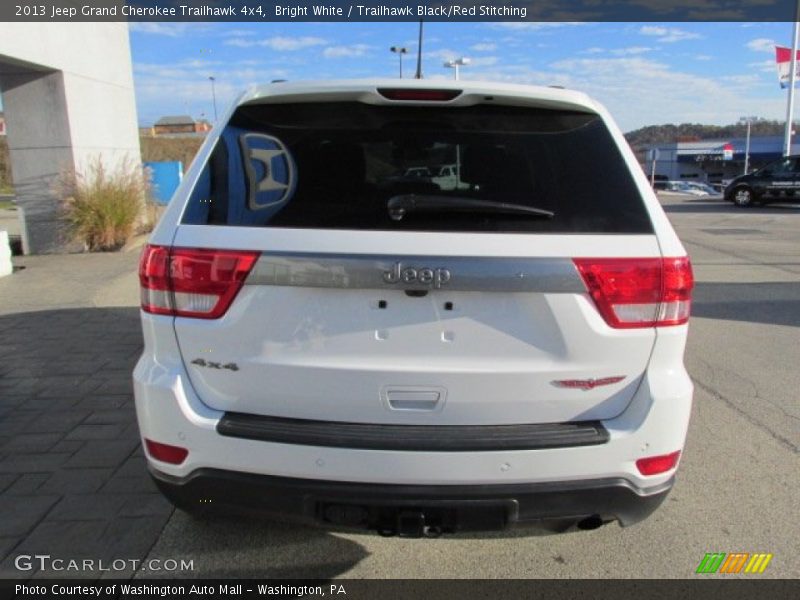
688	132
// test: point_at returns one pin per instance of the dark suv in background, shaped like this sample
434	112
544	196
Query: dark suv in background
778	181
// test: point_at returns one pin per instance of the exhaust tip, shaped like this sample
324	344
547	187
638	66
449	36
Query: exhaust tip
589	523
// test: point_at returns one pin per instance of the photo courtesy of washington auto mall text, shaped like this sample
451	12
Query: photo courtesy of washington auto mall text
182	590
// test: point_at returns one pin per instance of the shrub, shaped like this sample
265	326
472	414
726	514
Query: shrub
103	208
5	165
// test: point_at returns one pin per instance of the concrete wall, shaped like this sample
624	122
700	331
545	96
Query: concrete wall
68	98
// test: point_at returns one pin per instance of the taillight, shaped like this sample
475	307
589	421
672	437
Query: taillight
173	455
419	94
154	280
192	282
653	465
639	292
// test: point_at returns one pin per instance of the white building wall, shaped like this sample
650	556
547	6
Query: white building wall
68	97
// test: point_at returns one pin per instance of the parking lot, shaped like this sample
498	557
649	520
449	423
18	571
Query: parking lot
73	482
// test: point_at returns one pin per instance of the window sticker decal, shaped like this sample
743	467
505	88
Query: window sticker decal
270	169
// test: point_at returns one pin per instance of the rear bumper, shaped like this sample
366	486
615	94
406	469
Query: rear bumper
408	509
548	481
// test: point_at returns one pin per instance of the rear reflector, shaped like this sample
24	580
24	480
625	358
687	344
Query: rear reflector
426	95
173	455
639	292
192	282
653	465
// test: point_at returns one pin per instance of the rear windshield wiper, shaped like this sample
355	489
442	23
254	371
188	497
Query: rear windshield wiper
399	206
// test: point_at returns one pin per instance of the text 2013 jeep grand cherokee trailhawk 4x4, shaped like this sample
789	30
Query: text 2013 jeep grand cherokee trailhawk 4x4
330	338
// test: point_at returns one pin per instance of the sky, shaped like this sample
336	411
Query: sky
645	73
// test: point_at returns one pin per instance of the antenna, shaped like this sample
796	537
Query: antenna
419	53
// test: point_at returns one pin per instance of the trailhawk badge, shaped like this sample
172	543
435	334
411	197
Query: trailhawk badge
423	275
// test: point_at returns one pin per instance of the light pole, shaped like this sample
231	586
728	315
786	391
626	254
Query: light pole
399	51
418	74
455	64
749	121
212	79
787	135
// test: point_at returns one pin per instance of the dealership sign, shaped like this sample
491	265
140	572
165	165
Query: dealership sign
719	154
727	152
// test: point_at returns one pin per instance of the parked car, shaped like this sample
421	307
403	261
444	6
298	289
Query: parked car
685	187
419	172
778	181
447	178
703	189
323	347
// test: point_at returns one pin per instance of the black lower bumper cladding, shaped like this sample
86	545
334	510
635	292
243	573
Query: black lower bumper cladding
412	510
412	438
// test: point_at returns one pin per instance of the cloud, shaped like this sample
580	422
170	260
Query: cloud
631	51
278	43
668	34
642	91
483	61
483	47
765	66
345	51
761	45
536	25
239	33
188	87
167	29
744	81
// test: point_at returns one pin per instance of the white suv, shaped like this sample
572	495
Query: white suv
330	339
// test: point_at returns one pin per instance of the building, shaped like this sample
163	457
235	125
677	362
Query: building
180	125
68	100
713	161
2	124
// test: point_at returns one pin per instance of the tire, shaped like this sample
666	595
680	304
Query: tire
743	197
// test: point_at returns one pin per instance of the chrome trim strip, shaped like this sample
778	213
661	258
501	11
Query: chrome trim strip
377	272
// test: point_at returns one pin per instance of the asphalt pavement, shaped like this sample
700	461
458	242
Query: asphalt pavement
737	486
736	491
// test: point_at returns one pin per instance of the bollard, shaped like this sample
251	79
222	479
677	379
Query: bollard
5	255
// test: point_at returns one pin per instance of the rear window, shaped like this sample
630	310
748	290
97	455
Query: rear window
338	166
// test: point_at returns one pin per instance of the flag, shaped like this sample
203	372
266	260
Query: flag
783	58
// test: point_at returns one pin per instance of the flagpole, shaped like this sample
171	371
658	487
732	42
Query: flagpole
787	137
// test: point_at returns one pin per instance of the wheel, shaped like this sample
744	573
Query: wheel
743	196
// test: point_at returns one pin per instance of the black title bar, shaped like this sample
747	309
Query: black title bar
520	11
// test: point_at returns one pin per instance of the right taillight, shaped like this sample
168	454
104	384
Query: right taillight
192	282
639	292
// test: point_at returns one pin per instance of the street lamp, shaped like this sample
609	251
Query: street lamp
747	120
213	96
400	51
455	64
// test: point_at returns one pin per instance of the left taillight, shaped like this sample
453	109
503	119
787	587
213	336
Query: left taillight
192	282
